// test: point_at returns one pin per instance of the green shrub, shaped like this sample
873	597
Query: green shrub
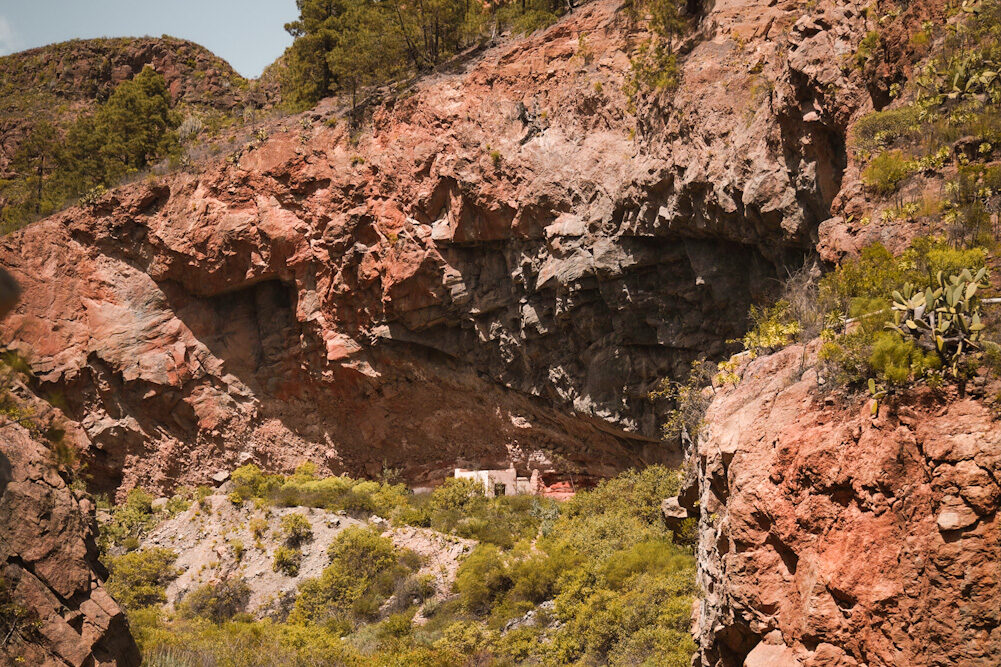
482	578
881	129
866	289
249	481
690	401
868	49
217	602
363	549
465	638
139	579
296	529
774	328
532	20
966	65
887	171
458	495
286	560
896	361
365	568
654	68
238	642
128	522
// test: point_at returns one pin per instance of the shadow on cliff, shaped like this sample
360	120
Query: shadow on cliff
400	405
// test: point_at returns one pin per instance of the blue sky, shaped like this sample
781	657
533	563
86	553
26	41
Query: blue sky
247	33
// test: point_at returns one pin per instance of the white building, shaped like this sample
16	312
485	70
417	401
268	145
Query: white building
502	482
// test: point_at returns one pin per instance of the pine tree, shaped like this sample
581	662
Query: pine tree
136	124
308	77
367	51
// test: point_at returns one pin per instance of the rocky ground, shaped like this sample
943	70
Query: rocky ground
206	535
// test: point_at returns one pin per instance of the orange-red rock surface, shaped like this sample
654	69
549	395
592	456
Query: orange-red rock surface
829	537
56	609
496	268
48	559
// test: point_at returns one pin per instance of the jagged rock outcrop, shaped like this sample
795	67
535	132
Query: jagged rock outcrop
54	609
830	537
48	559
494	270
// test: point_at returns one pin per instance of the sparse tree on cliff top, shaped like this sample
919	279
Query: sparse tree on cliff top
136	122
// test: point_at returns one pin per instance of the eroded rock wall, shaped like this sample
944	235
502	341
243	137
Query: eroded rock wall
48	559
831	537
55	608
496	270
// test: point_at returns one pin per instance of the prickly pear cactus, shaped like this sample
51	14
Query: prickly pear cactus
945	319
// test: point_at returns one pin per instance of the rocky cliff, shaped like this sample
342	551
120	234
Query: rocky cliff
54	609
497	267
61	613
828	536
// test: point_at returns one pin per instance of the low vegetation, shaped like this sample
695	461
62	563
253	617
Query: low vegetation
653	68
18	624
891	322
950	116
878	330
139	578
598	579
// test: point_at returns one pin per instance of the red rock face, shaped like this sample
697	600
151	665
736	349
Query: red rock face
48	557
495	270
828	537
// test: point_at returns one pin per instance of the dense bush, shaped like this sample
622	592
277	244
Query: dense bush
622	588
129	521
881	129
286	560
296	529
967	63
305	489
217	602
690	401
365	568
887	171
862	291
139	578
264	643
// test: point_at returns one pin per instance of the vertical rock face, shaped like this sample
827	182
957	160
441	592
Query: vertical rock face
55	610
48	560
497	271
828	537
